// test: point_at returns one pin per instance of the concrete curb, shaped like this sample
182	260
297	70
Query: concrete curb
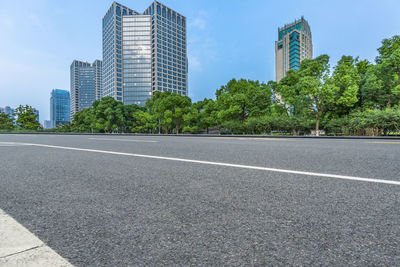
214	135
19	247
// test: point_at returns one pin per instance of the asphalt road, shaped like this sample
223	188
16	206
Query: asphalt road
140	207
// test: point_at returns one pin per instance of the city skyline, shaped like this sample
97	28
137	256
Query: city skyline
213	54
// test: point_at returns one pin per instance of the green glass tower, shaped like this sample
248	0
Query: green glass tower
294	44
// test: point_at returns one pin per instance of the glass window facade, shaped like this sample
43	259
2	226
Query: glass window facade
169	52
98	79
112	50
136	59
294	44
156	41
86	85
59	107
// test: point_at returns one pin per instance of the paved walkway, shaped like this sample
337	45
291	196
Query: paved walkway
19	247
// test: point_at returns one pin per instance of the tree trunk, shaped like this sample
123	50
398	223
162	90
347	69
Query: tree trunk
317	125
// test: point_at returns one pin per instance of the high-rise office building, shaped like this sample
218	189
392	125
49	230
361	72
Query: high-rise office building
98	79
86	85
143	53
294	44
59	107
112	50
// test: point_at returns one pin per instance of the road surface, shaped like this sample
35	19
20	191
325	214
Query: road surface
151	200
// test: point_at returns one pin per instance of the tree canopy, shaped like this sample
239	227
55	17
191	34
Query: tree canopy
353	97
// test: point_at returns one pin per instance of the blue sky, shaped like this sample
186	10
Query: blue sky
227	39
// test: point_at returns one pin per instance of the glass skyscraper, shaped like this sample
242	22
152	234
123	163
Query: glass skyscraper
112	50
136	59
143	53
86	85
59	107
87	91
98	78
294	44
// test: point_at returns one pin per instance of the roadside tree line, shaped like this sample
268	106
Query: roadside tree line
355	97
27	120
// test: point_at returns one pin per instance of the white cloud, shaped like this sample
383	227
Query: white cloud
194	63
199	23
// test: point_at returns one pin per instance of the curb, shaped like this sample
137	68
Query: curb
215	135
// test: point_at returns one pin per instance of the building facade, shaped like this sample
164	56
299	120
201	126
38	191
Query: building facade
294	44
59	107
47	124
143	53
86	85
98	79
112	50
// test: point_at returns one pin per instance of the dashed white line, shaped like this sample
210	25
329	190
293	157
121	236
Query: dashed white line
124	140
335	176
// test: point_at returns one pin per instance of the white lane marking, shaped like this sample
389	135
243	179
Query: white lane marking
124	140
19	247
335	176
252	138
383	142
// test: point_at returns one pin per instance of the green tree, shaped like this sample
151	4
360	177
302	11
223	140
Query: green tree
6	122
290	97
131	120
382	84
192	119
84	121
202	116
362	68
316	84
169	109
241	99
109	115
346	78
27	118
144	122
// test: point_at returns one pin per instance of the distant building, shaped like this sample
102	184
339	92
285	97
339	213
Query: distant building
294	44
37	113
86	85
143	53
59	107
8	110
47	124
98	79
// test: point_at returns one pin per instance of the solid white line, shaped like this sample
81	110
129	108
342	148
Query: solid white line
124	140
19	247
335	176
383	142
